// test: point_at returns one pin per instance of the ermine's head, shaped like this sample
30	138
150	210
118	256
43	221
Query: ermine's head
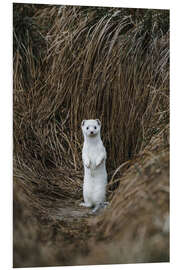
91	128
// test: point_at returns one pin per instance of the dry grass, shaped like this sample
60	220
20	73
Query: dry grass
70	64
135	227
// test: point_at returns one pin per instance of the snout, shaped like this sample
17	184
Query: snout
92	132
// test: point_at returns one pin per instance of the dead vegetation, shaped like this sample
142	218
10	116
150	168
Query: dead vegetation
75	63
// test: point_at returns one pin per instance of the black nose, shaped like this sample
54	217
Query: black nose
91	132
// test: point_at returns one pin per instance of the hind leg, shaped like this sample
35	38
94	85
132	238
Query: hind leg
86	204
87	201
87	195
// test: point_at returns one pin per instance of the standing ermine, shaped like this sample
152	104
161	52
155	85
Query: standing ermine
94	161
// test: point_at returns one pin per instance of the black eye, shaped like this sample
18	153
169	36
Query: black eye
87	128
95	127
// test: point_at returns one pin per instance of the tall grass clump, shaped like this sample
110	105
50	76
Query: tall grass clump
74	63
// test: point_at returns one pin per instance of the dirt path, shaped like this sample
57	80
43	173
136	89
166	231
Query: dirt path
72	212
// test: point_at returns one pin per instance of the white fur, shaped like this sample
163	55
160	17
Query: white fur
94	159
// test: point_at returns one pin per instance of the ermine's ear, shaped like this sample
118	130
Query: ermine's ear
99	122
83	122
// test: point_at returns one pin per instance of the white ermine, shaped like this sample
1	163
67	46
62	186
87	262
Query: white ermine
94	161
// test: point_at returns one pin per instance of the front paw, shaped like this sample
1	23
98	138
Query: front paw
99	162
87	163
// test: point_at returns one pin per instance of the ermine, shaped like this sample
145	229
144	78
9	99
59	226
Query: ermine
94	161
